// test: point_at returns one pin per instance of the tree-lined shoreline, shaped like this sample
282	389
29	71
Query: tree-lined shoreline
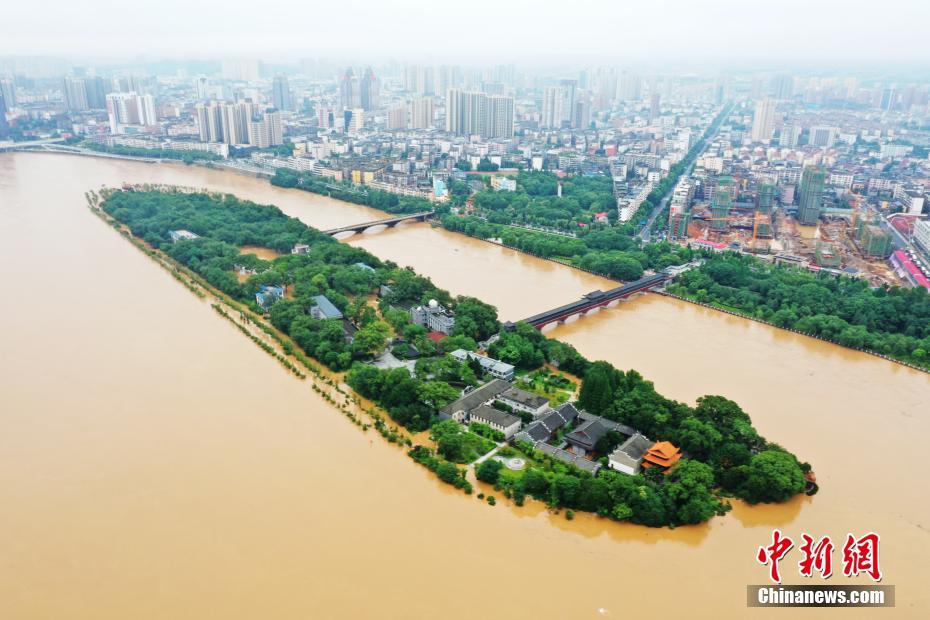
728	457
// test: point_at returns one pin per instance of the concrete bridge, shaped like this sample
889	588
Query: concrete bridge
44	146
389	222
596	299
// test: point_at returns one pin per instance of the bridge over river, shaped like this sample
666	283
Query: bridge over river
596	299
389	222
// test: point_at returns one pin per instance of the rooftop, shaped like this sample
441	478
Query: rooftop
478	396
501	418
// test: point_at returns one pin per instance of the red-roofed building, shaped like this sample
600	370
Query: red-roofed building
437	337
908	269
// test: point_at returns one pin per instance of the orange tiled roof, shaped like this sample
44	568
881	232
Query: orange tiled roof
663	454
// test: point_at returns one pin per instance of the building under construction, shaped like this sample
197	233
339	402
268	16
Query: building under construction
721	204
873	240
765	209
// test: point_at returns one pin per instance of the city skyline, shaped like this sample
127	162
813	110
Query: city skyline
660	34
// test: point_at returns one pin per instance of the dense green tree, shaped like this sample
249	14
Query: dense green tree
489	471
773	476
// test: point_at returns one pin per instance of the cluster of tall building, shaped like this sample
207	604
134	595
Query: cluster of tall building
239	123
81	93
417	113
360	92
130	109
477	113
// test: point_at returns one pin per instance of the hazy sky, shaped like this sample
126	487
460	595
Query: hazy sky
721	32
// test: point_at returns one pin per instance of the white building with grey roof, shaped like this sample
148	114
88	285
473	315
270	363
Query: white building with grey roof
521	400
628	457
506	423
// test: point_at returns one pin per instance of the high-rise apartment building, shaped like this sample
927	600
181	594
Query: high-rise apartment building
350	95
424	80
397	117
823	136
354	120
469	113
500	117
569	88
130	109
266	131
8	90
281	93
75	94
783	87
630	86
582	118
889	98
763	120
208	122
421	113
225	122
551	108
813	181
655	107
369	91
4	125
790	135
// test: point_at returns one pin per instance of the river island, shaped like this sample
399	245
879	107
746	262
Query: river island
530	415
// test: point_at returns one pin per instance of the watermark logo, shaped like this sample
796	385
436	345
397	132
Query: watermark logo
860	556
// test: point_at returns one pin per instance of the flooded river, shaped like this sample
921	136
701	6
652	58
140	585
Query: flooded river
156	464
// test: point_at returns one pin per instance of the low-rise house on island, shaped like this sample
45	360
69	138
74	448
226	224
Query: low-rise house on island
521	400
495	368
182	235
267	295
589	430
482	395
628	457
570	457
502	421
433	316
545	428
324	309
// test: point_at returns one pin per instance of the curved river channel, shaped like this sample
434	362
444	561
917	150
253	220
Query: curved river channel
156	464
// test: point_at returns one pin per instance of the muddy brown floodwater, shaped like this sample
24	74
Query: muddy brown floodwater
156	464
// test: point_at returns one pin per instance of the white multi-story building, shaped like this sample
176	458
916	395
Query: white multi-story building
763	120
823	136
841	180
421	113
130	109
921	235
551	107
475	113
433	316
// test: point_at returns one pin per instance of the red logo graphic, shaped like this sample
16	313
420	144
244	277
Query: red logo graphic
774	553
817	557
861	556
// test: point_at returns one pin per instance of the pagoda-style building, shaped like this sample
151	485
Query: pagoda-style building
662	454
